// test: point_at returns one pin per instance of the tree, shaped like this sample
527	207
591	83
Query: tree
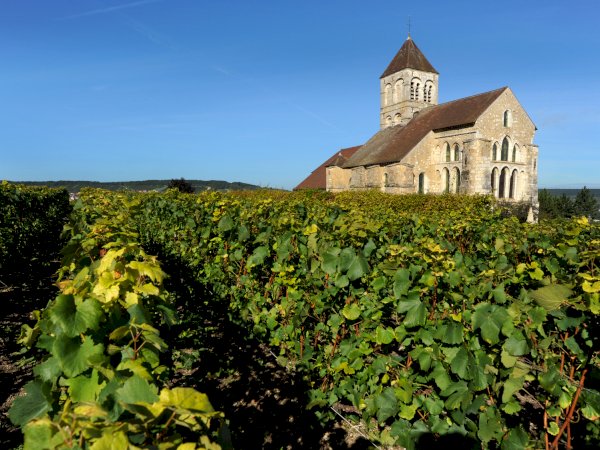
564	206
548	205
181	185
555	207
585	204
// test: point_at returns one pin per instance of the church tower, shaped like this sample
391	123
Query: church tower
409	84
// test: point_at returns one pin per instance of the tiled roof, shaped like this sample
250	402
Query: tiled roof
409	56
318	178
392	144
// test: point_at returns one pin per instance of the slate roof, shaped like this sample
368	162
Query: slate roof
318	178
392	144
409	56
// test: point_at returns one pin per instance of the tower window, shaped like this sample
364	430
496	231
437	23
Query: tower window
387	100
514	154
456	153
398	91
448	157
412	90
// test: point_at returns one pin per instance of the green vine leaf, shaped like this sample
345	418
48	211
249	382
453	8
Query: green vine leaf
552	296
33	404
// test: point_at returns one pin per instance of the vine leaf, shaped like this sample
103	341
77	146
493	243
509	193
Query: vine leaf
34	403
84	388
74	356
387	404
75	318
137	390
186	398
489	318
111	440
552	296
384	335
351	311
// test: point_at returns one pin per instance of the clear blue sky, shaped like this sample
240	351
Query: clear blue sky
264	91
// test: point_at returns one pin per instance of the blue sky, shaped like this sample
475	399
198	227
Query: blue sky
264	91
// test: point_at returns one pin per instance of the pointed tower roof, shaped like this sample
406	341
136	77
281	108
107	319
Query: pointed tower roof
409	56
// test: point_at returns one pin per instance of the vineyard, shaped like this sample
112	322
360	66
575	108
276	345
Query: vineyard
408	318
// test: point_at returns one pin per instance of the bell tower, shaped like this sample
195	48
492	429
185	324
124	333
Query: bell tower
409	84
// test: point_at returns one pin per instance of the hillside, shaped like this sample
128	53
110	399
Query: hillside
146	185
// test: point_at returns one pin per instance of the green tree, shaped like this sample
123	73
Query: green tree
548	205
564	206
585	204
181	185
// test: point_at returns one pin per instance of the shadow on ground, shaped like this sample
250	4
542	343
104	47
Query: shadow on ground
264	403
16	303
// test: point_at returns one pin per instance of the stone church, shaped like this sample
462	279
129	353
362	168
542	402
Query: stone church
474	145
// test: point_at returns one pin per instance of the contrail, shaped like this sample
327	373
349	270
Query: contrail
110	9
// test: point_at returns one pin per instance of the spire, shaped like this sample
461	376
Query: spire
409	57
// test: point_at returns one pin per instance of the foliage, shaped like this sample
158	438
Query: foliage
554	207
427	314
586	205
413	314
181	185
31	220
145	185
99	384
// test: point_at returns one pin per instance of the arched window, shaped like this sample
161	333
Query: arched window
456	179
494	182
422	183
507	119
504	152
456	152
513	185
446	180
388	95
417	89
495	153
514	155
502	188
398	90
427	91
385	179
448	155
396	119
388	121
412	90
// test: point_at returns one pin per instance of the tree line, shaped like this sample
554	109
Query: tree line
561	206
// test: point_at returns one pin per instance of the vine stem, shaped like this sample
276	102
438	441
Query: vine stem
546	426
165	429
571	411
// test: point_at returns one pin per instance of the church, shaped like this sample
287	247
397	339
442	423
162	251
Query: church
482	144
